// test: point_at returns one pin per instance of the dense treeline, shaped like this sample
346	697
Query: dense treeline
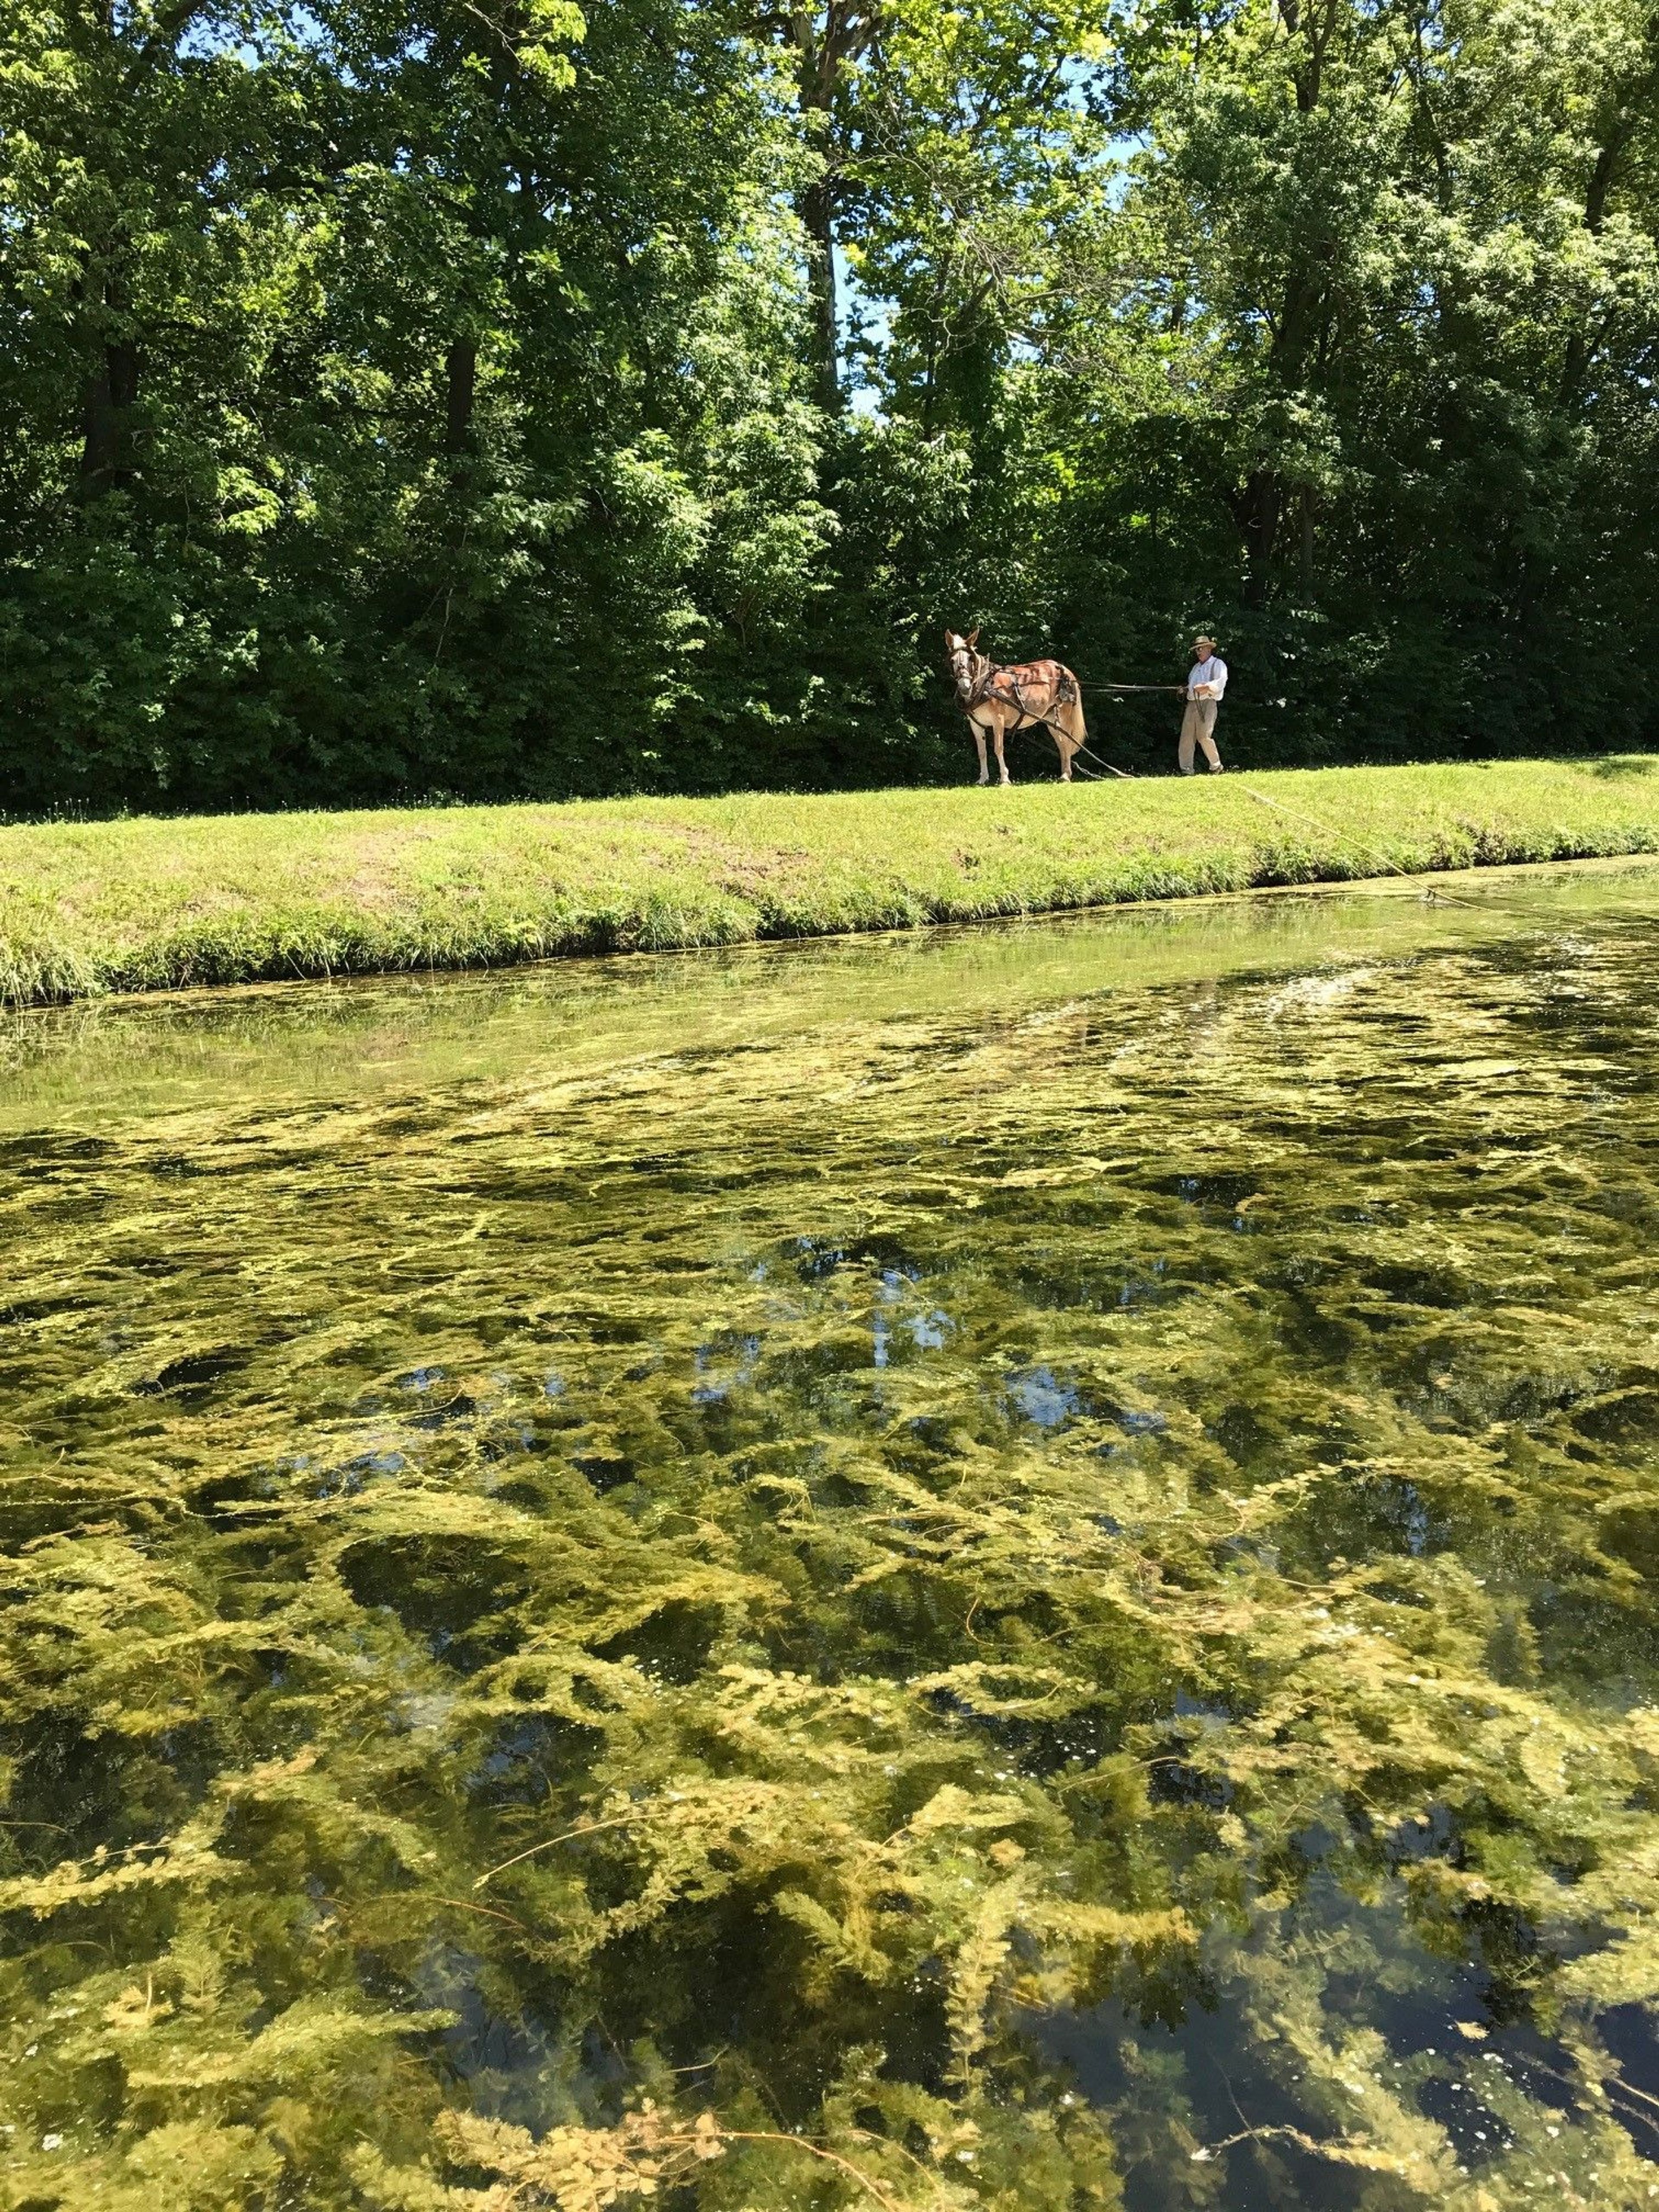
500	396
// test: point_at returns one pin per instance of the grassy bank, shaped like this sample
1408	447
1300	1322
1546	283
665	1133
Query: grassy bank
146	905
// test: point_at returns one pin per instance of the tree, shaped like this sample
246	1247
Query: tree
402	396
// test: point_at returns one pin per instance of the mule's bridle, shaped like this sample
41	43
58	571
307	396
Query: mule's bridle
970	684
981	681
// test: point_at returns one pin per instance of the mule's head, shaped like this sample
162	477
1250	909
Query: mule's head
965	664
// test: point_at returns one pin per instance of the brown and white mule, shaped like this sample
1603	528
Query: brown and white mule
997	700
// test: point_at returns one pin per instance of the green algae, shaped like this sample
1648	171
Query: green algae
1019	1575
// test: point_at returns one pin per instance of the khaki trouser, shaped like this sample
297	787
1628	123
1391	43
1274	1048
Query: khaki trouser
1198	728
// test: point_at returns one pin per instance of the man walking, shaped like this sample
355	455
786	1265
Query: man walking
1205	687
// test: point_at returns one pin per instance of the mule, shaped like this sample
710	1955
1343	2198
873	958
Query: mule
997	700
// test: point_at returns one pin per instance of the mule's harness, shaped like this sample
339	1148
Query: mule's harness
986	684
983	685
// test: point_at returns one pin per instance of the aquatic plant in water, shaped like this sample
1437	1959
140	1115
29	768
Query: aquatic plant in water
1039	1610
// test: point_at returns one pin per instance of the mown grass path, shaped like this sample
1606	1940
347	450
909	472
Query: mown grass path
87	909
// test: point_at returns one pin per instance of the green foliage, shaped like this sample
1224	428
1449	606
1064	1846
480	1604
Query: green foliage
401	397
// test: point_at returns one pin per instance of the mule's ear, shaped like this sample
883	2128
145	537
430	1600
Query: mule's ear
972	638
952	640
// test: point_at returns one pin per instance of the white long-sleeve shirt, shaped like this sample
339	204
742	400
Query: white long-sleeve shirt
1212	671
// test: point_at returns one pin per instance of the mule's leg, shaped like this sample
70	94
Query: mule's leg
1067	751
978	739
997	736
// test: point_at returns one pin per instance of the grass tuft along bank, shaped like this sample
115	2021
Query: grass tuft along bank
141	905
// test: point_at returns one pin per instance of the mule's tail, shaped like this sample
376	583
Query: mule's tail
1070	717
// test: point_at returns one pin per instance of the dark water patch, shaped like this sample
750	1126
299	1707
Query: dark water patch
611	1328
36	1153
816	1257
527	1760
459	1409
194	1376
350	1476
1356	1514
458	1595
1181	2073
154	1264
1420	1286
22	1313
672	1643
498	2056
1213	1195
1626	1416
1430	1834
603	1471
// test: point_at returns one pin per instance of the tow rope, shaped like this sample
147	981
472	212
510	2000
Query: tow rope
1390	866
1124	773
1482	905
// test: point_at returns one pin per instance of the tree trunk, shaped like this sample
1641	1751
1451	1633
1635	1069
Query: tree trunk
112	392
1576	361
1600	184
461	382
1316	29
819	219
1257	510
825	40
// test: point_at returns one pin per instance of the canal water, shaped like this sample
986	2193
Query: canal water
1007	1568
